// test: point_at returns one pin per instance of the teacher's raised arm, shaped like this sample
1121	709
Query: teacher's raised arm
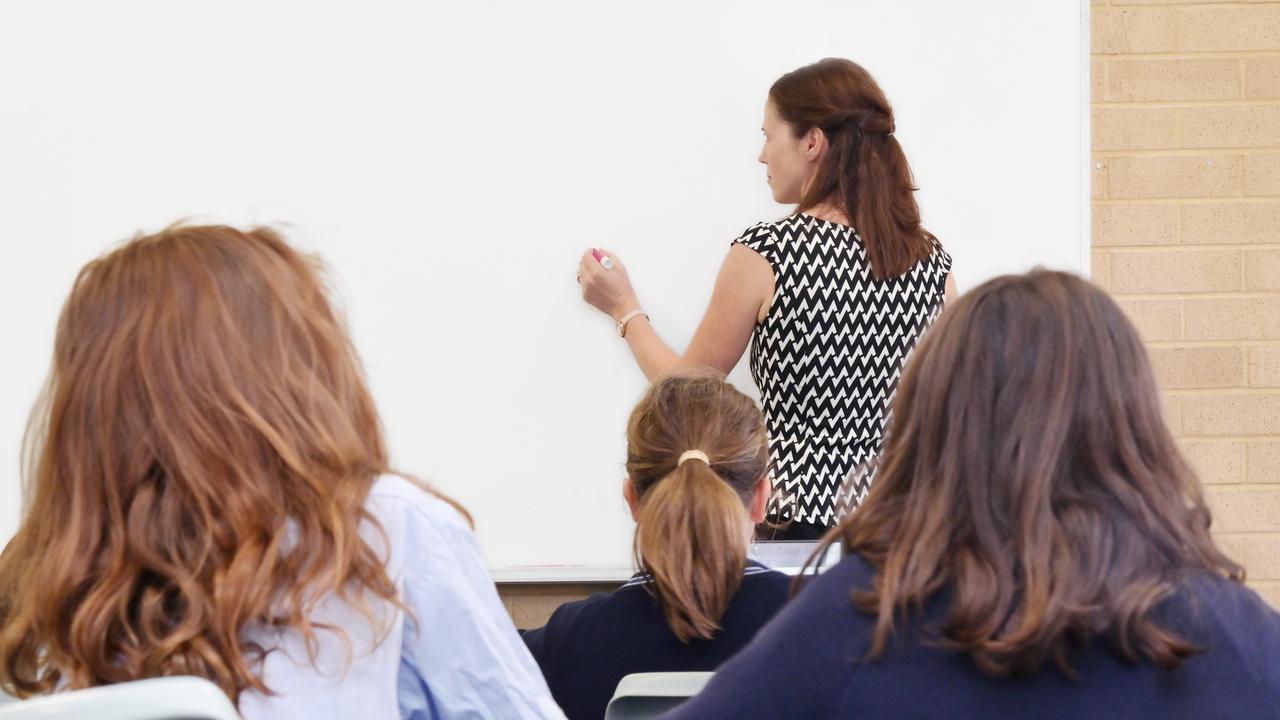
831	298
741	297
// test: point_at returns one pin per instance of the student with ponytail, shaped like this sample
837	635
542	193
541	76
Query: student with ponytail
697	464
833	297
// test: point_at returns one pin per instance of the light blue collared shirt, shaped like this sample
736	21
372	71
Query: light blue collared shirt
456	656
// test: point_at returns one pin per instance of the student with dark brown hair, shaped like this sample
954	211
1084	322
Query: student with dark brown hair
832	298
1035	545
697	482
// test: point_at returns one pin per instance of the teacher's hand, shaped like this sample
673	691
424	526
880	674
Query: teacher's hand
607	290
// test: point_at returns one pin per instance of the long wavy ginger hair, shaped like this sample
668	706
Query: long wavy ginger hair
198	465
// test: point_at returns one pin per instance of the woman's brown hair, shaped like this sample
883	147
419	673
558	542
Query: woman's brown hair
1028	475
198	465
864	172
692	527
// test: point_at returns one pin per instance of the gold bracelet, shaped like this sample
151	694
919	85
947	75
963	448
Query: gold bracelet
622	324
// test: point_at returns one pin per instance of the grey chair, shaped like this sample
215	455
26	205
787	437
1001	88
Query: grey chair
648	695
168	698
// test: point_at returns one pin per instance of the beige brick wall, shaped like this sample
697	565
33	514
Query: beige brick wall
530	604
1186	235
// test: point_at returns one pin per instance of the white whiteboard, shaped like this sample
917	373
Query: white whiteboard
451	161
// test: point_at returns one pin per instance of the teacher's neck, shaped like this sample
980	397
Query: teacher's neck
829	212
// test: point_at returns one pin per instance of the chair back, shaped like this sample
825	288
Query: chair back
166	698
647	695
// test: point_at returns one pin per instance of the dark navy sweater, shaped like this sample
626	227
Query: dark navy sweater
589	645
807	663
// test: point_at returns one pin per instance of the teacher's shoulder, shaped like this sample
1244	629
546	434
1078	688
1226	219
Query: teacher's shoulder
762	236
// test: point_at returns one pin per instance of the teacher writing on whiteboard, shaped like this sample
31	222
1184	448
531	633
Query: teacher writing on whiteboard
832	298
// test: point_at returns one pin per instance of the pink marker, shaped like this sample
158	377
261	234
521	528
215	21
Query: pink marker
605	261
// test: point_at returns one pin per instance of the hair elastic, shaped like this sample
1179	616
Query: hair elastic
693	455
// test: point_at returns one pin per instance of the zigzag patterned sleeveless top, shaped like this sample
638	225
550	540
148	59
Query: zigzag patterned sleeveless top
827	358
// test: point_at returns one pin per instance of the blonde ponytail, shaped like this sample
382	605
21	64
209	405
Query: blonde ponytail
690	541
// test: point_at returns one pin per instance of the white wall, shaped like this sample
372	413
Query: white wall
451	160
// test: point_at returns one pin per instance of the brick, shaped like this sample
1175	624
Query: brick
1198	367
1133	31
1262	270
1234	29
1156	320
1175	271
1255	318
1262	78
1244	126
1100	269
1172	176
1135	224
1098	180
1256	413
1262	461
1264	367
1262	555
1173	79
1243	509
1172	407
1137	128
1175	128
1216	462
1262	174
1097	79
1231	222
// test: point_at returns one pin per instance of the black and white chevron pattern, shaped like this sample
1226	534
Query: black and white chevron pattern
828	356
